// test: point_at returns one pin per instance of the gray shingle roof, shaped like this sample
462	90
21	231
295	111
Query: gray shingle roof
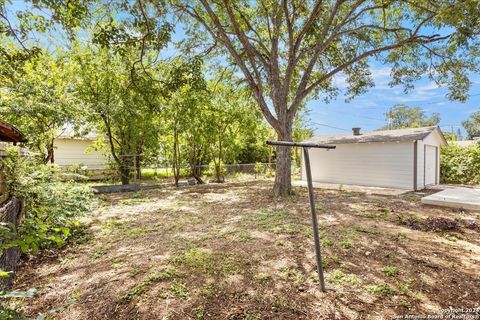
409	134
69	132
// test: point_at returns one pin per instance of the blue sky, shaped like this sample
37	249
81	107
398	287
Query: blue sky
368	111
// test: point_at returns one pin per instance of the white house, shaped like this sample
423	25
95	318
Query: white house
404	158
73	150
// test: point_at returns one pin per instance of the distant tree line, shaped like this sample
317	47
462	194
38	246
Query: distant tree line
402	116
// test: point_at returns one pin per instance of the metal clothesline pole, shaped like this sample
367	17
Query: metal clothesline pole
305	146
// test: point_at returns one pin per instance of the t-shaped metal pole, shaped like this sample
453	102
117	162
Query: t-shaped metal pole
311	196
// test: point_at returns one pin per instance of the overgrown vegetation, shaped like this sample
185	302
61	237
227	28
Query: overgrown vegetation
460	164
52	205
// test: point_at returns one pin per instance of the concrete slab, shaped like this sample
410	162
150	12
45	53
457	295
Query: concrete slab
462	198
354	188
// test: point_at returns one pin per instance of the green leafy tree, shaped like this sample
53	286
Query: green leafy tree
41	101
116	107
290	51
187	127
449	136
401	116
235	121
21	25
472	125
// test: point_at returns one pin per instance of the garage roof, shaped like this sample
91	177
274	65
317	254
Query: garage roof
9	133
409	134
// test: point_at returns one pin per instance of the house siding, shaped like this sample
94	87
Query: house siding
76	151
388	164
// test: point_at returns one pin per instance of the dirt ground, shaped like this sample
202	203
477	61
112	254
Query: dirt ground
232	251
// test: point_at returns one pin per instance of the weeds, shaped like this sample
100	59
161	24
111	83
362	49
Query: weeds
244	236
194	258
380	289
361	229
139	289
405	286
198	312
390	271
326	242
293	274
134	272
339	278
345	244
179	289
263	276
270	219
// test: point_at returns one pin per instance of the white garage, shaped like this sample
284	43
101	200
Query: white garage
404	158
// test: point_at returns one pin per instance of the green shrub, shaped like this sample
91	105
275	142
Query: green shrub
217	171
52	204
460	164
259	169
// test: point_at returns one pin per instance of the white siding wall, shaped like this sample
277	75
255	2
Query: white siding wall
75	151
370	164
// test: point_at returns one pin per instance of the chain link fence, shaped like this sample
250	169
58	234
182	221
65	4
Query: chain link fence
99	171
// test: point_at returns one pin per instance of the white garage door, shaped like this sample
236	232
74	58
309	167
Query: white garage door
430	165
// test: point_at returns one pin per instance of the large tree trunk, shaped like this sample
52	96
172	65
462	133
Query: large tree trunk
197	174
124	168
283	166
125	175
11	212
218	164
50	153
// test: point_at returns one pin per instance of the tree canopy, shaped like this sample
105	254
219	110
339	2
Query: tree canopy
472	125
401	116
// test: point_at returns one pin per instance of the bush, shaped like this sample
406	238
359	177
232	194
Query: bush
460	164
52	204
217	171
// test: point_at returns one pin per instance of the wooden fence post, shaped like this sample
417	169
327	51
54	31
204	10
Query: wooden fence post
11	212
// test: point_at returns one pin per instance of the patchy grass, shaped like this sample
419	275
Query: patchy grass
341	279
194	258
179	289
390	271
140	288
263	276
380	289
345	244
233	251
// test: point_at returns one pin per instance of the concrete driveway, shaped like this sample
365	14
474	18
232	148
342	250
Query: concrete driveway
455	197
354	188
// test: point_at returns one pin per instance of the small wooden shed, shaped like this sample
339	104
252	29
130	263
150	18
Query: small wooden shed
403	158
